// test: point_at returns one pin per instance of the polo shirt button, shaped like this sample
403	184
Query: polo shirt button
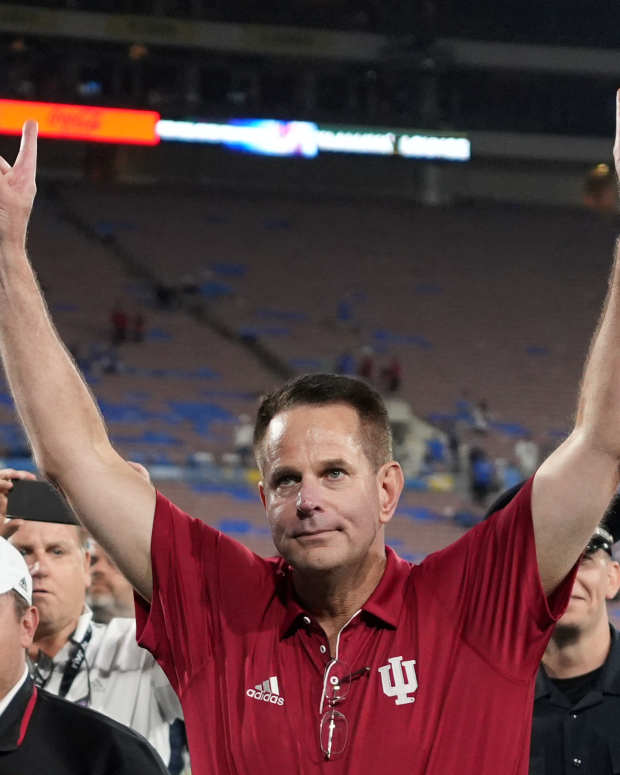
322	648
577	762
306	620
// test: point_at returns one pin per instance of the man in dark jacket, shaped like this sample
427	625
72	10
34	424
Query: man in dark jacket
577	702
41	734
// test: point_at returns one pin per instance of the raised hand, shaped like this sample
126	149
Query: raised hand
18	189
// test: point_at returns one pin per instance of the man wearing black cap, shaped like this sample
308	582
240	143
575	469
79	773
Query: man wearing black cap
39	733
577	702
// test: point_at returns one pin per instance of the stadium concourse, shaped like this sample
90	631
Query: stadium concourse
239	290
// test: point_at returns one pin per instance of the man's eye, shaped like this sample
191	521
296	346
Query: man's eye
286	481
335	473
58	552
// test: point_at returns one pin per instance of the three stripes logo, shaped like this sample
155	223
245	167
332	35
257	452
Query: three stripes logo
268	691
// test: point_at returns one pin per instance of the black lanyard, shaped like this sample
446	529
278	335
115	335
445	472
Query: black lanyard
75	662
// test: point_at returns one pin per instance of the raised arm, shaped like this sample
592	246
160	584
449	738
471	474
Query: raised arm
65	429
576	483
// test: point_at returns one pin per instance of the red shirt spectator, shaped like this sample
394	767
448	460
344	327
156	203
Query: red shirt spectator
437	668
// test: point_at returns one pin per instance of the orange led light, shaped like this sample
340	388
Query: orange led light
81	122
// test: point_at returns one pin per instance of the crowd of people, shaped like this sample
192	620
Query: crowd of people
334	654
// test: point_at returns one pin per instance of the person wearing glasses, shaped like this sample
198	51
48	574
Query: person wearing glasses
336	656
577	700
91	664
40	733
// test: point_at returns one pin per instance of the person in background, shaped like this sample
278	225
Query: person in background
110	594
94	665
119	322
599	190
40	733
527	454
366	364
392	375
242	440
577	702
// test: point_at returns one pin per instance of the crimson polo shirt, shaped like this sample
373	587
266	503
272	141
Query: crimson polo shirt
452	646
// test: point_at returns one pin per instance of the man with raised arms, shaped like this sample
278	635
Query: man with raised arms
337	656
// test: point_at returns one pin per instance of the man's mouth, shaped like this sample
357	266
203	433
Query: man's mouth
99	588
315	533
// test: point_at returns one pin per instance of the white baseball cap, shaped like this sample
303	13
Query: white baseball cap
14	573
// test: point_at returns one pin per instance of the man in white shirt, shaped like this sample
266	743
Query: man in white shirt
94	665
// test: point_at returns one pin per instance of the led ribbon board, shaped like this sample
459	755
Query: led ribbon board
261	136
303	138
81	122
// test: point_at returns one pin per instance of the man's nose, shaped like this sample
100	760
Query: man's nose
37	565
308	499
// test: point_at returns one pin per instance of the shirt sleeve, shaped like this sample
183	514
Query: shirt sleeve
489	582
202	581
165	695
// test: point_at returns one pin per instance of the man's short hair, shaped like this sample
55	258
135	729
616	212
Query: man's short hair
324	390
20	605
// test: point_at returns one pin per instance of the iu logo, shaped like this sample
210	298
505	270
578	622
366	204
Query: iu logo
402	682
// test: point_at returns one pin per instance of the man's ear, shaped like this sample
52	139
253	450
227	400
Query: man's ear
613	579
29	624
390	481
261	492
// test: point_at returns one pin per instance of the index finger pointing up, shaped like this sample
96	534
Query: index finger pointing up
26	160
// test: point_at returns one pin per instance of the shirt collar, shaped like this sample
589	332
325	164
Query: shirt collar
78	634
611	672
6	700
85	619
384	605
609	682
15	716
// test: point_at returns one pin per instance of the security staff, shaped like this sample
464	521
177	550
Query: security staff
576	726
41	734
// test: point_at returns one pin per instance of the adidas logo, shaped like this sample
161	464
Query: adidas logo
268	691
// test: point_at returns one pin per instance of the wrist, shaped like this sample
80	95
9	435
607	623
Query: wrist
12	248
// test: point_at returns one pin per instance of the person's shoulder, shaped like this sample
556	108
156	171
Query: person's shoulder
78	715
117	647
163	505
88	724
